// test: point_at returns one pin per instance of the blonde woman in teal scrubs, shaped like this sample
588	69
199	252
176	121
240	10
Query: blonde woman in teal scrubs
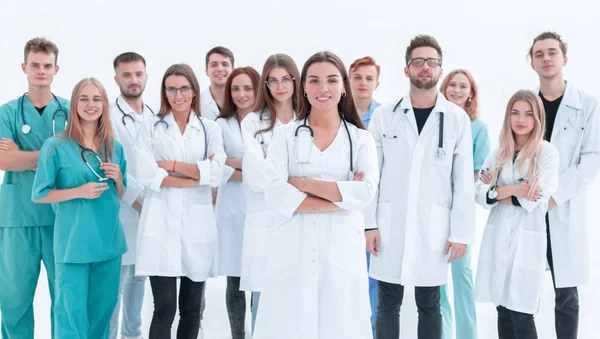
80	172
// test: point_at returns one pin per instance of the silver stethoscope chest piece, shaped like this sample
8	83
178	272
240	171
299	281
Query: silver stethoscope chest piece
25	129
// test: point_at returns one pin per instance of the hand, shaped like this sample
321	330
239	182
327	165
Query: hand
551	204
137	206
456	250
296	182
210	157
214	191
7	144
167	165
92	190
485	176
359	176
521	190
373	241
112	171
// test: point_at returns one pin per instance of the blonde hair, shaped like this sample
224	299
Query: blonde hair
104	136
530	157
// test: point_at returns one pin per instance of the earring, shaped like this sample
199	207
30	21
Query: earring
305	95
344	95
470	99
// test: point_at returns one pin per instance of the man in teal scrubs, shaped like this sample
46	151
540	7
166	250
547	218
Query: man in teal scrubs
26	229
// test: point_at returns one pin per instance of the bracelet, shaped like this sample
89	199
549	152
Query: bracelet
301	183
174	162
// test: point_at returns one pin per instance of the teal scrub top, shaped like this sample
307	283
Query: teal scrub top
16	207
481	143
85	230
366	117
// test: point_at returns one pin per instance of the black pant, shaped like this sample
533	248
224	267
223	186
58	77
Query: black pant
164	291
390	297
515	325
566	308
236	307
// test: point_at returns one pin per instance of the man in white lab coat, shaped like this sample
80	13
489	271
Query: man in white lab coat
127	112
423	215
219	64
573	127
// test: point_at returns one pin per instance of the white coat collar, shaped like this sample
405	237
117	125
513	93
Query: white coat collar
124	108
441	105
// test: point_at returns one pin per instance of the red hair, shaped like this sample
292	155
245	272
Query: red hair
471	107
366	61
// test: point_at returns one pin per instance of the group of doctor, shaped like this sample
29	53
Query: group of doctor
273	181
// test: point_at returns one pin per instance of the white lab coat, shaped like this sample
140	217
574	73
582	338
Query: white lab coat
512	259
423	202
316	284
126	136
231	203
178	232
576	136
259	217
208	105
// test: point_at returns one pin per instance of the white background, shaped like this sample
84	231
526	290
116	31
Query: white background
490	39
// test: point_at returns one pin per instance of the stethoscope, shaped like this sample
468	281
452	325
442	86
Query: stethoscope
26	128
440	153
85	152
306	159
162	121
130	117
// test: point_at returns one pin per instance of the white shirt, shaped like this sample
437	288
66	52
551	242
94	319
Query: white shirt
208	105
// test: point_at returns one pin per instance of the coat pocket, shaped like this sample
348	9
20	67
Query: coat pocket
200	226
531	250
154	218
439	227
284	246
384	221
348	245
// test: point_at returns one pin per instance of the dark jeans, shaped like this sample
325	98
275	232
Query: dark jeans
164	291
515	325
388	311
236	307
566	308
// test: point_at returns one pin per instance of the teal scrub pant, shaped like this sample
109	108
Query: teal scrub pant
22	249
464	301
86	295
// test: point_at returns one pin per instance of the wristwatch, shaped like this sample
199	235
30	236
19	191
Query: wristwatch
492	193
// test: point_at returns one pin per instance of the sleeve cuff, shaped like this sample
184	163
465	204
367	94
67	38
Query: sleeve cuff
132	191
290	204
204	168
161	174
227	173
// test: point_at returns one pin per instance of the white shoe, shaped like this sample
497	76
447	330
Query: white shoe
138	337
201	333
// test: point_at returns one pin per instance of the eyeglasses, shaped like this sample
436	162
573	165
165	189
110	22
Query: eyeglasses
285	81
185	90
431	62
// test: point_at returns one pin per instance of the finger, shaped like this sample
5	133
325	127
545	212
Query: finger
377	244
452	255
447	248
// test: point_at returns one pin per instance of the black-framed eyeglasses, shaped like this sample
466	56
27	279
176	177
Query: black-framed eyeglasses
285	81
431	62
185	90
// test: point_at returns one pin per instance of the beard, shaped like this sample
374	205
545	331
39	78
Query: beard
129	94
414	80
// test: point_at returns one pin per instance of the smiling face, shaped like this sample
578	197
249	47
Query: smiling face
459	89
364	81
424	76
547	58
40	68
179	93
521	118
218	70
281	84
131	78
242	93
89	103
324	86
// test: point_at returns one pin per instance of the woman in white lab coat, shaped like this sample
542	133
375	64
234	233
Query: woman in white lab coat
523	175
316	282
179	156
240	97
276	104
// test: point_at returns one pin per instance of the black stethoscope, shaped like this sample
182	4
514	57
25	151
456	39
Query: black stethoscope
306	159
26	128
162	121
130	117
440	153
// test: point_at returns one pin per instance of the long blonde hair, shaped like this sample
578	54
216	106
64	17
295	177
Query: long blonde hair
104	137
530	157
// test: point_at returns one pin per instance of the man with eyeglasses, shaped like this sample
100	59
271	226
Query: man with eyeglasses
219	64
423	215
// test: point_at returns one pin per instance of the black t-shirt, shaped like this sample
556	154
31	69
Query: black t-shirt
551	109
40	109
421	115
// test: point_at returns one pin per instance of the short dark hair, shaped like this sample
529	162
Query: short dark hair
37	45
422	41
549	35
128	57
223	51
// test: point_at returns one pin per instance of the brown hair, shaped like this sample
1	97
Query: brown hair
422	41
229	108
549	35
43	45
188	73
74	131
471	107
128	57
366	61
264	97
346	106
224	51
